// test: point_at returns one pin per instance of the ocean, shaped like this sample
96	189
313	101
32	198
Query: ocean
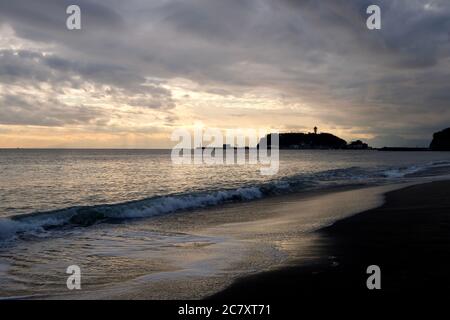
121	213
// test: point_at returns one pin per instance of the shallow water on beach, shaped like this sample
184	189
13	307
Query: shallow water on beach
174	257
140	227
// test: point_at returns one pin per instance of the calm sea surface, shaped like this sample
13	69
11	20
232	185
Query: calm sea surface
44	180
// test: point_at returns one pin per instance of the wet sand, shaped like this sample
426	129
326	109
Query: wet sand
244	239
408	237
264	248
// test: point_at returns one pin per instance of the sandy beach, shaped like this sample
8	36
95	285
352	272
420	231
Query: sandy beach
313	243
219	245
200	152
408	237
245	239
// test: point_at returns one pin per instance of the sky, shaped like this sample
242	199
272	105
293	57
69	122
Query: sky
137	70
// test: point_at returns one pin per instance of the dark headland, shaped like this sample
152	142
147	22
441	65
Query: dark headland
314	140
408	237
296	140
441	141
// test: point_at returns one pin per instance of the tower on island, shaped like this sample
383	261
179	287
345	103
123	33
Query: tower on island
315	130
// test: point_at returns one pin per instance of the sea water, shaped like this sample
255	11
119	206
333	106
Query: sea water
94	208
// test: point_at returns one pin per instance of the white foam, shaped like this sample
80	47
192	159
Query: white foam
401	172
175	203
39	222
9	228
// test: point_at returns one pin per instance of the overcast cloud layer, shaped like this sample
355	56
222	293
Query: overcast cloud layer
143	67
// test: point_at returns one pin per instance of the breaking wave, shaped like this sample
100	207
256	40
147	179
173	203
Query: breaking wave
84	216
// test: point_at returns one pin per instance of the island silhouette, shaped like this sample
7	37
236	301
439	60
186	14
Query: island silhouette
326	141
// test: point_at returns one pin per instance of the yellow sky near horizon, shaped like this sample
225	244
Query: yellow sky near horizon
131	126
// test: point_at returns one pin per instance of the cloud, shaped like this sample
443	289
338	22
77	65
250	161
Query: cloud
317	54
27	110
51	77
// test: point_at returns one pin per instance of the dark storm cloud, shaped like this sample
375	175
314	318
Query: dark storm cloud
317	51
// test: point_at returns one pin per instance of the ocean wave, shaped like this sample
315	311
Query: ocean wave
88	215
402	172
84	216
408	170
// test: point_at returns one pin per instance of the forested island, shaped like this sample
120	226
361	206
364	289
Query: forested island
325	141
294	140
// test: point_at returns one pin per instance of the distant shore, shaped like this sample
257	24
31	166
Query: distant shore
408	238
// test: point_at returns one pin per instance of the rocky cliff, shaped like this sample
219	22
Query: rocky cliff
441	141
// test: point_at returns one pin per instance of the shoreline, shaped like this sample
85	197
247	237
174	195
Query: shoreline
238	239
257	236
408	237
223	246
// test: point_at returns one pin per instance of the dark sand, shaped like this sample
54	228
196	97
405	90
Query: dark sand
408	237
